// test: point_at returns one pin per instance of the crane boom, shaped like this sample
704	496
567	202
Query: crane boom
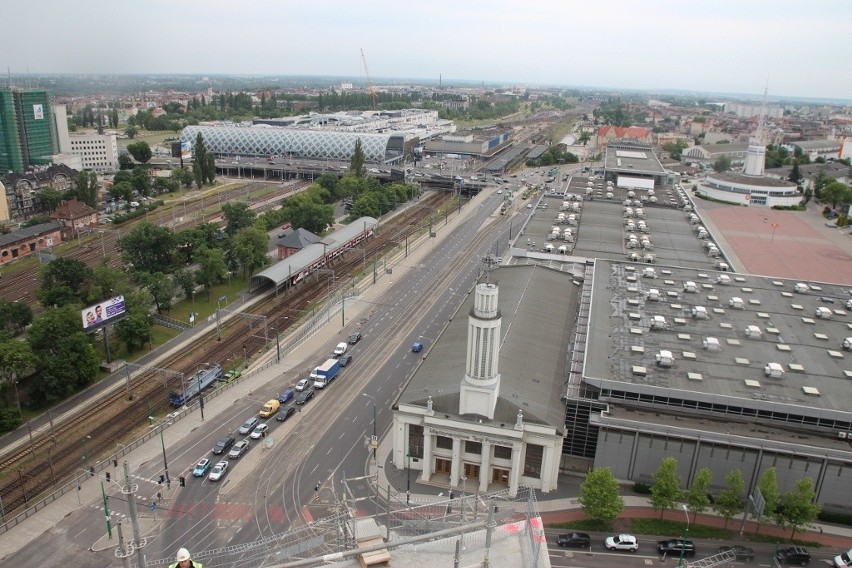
370	88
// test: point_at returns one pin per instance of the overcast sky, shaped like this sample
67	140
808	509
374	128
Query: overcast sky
799	48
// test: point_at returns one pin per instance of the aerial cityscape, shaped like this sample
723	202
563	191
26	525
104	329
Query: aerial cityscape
493	284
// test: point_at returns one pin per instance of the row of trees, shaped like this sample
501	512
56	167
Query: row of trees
555	154
601	500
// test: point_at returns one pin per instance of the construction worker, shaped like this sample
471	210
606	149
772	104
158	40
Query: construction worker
184	561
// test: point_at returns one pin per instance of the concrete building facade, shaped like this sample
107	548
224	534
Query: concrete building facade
98	152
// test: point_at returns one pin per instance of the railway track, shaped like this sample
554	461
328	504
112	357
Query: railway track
69	448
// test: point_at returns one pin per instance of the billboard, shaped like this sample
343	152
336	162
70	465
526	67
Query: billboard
98	315
186	150
38	112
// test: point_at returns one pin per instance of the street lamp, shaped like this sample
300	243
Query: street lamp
86	451
163	444
408	478
464	490
683	544
18	399
277	344
218	307
374	441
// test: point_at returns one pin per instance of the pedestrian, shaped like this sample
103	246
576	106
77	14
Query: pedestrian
182	560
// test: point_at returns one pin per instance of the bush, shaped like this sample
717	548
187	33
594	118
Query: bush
678	529
642	488
835	518
770	539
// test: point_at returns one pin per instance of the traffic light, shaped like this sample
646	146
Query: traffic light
162	480
114	463
107	477
182	480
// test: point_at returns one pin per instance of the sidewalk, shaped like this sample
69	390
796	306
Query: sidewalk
562	504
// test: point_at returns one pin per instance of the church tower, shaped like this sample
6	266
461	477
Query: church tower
480	387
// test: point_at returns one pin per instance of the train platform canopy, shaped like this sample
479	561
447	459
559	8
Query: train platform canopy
296	266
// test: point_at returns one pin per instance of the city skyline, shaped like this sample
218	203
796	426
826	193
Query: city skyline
731	47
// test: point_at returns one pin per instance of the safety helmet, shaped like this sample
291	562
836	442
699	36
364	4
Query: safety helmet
182	554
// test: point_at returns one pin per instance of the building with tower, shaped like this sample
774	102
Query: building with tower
484	410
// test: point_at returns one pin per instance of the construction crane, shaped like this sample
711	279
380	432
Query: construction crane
370	88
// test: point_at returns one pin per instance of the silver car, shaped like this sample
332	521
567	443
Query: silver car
239	449
249	425
218	471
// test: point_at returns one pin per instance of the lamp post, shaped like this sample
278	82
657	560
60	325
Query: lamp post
218	307
408	477
683	545
464	490
277	345
18	399
86	451
163	444
374	441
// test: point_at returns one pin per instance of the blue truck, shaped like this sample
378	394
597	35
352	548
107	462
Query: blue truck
193	385
325	373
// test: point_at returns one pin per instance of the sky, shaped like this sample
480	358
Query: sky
723	46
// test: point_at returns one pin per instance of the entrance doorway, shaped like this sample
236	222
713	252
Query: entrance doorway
443	466
471	471
500	475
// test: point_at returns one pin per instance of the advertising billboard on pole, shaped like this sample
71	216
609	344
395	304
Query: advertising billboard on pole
98	315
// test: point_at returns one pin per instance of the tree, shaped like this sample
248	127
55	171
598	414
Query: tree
65	357
836	193
131	131
698	495
723	164
141	181
599	496
666	492
185	280
675	148
86	186
49	198
237	216
161	286
210	168
182	177
134	331
249	246
125	162
729	502
795	176
584	137
14	316
768	486
16	358
148	247
64	281
796	509
356	163
140	151
199	161
114	118
211	268
121	190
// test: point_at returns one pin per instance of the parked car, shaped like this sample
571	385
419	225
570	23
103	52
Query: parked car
218	471
574	540
355	338
306	395
239	449
302	384
622	542
286	395
345	360
249	425
201	468
675	545
740	552
259	431
793	555
223	445
286	413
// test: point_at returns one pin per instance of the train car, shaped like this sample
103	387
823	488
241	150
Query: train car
202	379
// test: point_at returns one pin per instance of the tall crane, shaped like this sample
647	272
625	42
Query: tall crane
370	87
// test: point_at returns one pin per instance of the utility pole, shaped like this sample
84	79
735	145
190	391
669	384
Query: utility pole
137	543
106	511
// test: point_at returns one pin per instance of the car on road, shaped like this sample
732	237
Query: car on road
223	445
795	555
340	349
201	468
574	540
355	338
239	449
740	552
218	471
675	546
285	413
622	542
286	395
306	395
249	425
302	385
499	191
345	360
259	431
417	347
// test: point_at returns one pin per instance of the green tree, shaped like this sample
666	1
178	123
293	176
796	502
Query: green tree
49	198
185	280
795	176
675	148
585	136
114	118
723	164
212	269
238	216
836	193
199	161
729	502
141	181
64	281
768	486
125	162
140	151
161	286
16	359
249	246
149	248
182	177
356	163
797	509
210	168
86	186
134	331
665	491
131	131
65	357
698	495
15	316
122	190
599	495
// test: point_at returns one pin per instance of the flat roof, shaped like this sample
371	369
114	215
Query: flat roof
638	160
734	177
539	309
807	347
